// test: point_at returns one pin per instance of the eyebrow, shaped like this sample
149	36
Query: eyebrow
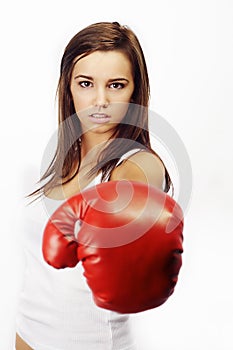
90	78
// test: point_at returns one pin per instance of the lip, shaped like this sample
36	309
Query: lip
99	118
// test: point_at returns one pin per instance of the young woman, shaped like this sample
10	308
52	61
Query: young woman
103	136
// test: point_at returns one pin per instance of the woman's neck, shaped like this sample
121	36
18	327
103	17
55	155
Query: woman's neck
93	143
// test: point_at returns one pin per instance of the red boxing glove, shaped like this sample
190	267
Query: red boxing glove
59	246
130	243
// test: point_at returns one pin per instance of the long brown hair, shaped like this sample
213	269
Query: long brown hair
65	164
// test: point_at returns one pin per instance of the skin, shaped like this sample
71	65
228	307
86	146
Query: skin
102	82
21	345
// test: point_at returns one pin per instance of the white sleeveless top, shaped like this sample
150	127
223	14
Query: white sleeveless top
56	310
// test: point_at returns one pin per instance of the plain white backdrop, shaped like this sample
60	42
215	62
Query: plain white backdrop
188	46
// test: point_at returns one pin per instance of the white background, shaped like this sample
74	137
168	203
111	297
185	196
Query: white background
189	50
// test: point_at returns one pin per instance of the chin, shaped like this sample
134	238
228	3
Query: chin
103	129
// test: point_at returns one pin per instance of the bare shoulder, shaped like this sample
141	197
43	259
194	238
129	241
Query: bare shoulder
143	167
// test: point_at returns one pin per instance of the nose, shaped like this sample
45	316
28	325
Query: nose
101	98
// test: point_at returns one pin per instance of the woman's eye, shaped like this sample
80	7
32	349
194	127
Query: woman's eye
117	86
85	84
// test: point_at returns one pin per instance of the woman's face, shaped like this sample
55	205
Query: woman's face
102	86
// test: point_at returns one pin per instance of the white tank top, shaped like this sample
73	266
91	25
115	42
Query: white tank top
56	310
